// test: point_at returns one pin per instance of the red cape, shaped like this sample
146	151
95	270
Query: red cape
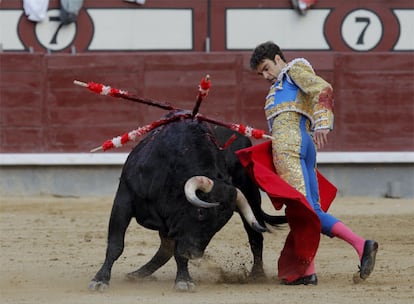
303	239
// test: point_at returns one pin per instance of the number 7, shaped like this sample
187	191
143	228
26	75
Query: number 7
368	22
54	38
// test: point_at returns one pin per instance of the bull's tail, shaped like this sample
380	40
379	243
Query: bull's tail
274	220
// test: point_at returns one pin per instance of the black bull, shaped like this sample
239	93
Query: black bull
151	189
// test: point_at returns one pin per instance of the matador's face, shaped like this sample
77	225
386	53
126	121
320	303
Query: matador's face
270	69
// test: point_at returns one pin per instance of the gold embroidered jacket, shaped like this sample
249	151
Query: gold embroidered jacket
299	89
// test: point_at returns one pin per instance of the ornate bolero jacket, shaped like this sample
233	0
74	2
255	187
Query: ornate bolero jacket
299	89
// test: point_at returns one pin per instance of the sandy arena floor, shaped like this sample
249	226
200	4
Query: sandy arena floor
52	247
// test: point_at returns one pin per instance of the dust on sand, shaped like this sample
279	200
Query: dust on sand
52	247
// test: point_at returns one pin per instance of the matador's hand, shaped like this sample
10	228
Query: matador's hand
321	137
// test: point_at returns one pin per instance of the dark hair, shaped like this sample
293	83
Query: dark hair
265	50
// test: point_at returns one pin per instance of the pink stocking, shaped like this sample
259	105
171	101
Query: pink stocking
344	233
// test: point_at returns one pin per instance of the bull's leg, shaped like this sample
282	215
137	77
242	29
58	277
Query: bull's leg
253	196
183	280
162	256
256	246
120	218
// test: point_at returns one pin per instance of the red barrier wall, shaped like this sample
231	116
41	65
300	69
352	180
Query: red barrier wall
42	111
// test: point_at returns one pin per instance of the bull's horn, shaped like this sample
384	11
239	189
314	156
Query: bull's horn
247	212
195	183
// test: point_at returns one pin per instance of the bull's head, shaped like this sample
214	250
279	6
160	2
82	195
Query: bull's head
205	185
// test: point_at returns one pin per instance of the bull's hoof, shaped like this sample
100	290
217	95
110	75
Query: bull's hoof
185	286
257	278
257	274
98	286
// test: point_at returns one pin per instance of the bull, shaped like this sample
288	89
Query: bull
179	182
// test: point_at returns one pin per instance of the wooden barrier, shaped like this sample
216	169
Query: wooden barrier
42	111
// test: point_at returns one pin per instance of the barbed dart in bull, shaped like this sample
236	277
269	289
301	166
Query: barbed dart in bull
240	128
102	89
119	141
203	90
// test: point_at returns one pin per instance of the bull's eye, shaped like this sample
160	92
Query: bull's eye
201	214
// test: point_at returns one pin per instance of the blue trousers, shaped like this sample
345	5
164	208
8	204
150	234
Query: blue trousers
294	157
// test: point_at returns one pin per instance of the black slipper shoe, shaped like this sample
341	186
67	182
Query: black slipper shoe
368	259
306	280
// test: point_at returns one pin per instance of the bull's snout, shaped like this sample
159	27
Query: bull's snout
190	253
